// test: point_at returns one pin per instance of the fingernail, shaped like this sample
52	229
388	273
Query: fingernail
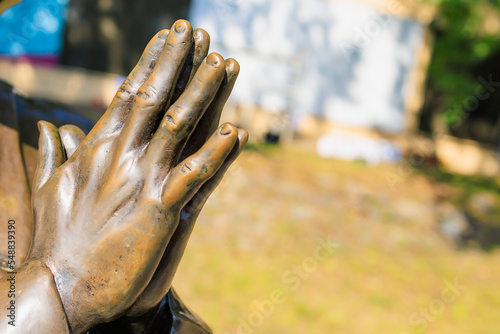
232	67
212	59
226	130
197	35
180	27
163	34
200	35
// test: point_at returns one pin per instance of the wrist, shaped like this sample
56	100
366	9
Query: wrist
30	301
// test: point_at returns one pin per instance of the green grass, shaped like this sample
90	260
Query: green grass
266	220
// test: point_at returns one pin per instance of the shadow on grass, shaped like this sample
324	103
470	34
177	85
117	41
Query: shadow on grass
478	198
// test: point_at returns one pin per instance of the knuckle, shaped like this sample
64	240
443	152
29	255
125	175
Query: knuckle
186	167
169	47
147	95
191	166
125	92
151	54
152	58
171	123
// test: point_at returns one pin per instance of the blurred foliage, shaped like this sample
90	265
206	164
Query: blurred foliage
463	41
467	184
463	191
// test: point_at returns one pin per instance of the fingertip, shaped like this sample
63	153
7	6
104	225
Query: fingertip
47	131
200	35
215	60
232	68
180	26
50	153
68	128
162	34
228	137
42	125
242	137
201	45
227	129
71	137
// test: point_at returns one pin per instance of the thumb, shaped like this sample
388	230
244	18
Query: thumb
50	154
71	137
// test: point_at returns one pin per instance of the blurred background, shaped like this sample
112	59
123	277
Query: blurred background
368	198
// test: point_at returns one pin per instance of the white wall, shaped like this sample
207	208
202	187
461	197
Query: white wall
336	59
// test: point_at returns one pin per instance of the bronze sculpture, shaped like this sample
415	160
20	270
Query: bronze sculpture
113	210
5	4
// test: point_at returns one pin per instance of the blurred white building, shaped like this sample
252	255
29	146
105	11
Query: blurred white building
342	61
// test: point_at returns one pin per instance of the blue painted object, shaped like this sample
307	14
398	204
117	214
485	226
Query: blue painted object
33	28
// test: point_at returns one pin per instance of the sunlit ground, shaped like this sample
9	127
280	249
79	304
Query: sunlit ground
253	265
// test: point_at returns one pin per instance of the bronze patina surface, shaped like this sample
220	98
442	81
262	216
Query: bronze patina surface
113	210
4	4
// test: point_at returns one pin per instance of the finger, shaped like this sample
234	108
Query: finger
119	108
50	154
202	43
156	92
162	279
193	208
198	52
187	177
184	114
210	120
71	137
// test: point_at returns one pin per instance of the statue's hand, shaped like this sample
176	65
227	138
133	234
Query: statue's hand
104	218
162	279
